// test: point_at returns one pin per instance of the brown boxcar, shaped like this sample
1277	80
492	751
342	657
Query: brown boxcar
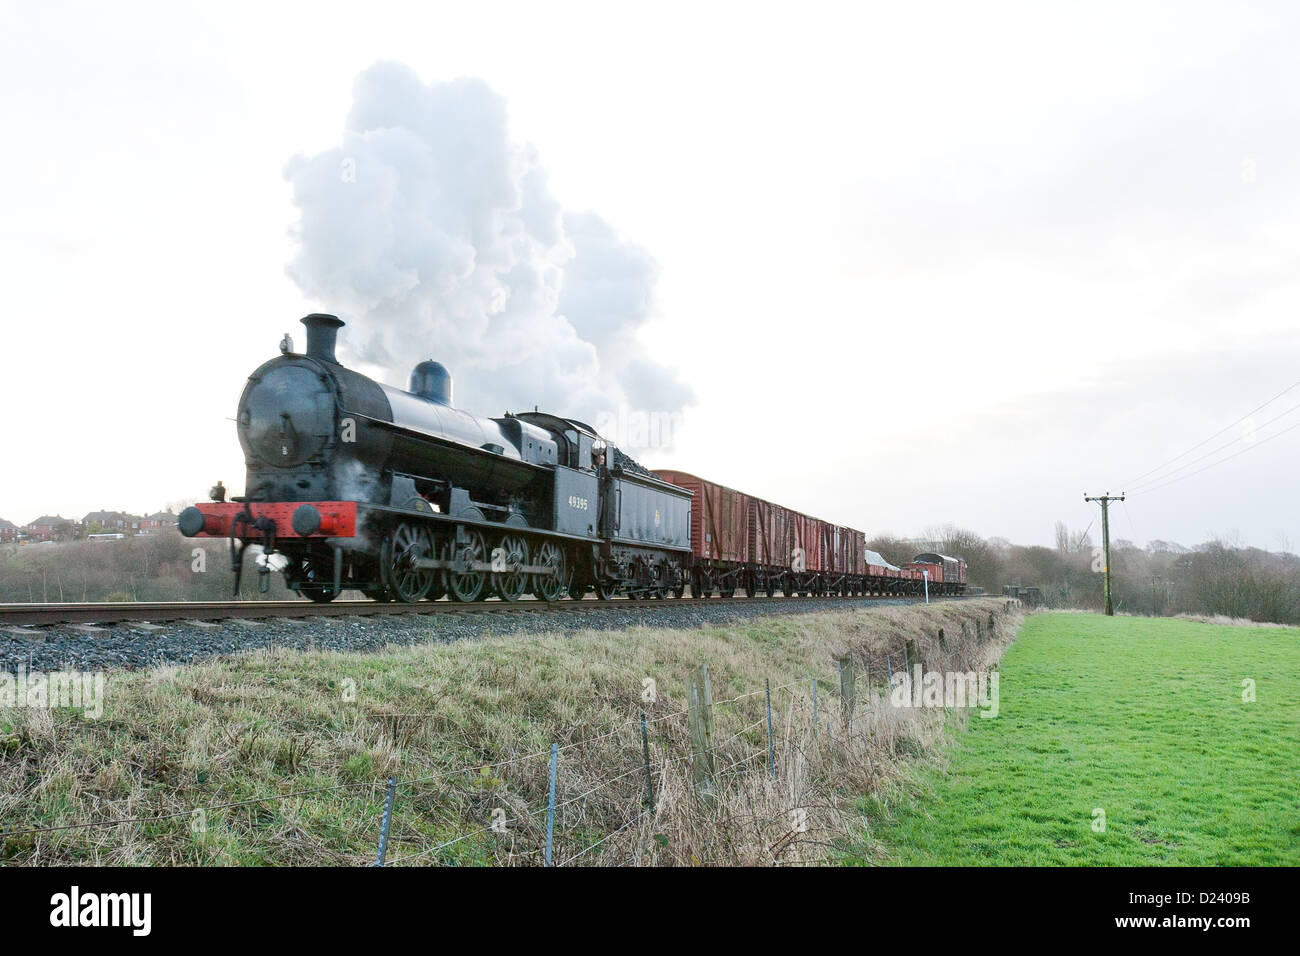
857	552
952	570
806	534
841	549
719	518
770	534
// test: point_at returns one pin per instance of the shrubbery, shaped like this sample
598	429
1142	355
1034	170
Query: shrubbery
1161	579
154	567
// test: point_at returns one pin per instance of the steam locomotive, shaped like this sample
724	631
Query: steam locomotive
355	485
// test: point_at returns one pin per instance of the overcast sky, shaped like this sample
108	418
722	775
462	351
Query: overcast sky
901	264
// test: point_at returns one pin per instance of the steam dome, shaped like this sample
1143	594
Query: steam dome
431	380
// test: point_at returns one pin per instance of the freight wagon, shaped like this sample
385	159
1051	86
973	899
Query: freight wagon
947	575
740	542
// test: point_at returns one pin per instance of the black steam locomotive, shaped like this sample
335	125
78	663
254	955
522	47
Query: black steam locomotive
356	485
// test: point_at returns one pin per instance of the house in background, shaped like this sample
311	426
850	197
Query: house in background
152	524
8	531
111	521
51	528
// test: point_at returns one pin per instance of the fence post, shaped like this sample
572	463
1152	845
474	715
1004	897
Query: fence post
771	751
848	689
816	726
890	664
963	630
979	630
700	704
550	805
645	753
992	624
388	819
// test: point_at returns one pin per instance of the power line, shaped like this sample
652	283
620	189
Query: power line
1199	444
1243	451
1213	451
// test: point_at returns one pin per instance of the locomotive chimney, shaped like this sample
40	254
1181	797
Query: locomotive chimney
322	332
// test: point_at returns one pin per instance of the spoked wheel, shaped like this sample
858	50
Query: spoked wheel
550	587
513	553
605	591
316	585
405	581
463	582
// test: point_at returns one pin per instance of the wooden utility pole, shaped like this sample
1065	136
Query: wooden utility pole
1105	500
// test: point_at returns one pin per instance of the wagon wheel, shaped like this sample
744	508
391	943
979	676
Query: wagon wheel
769	585
463	582
658	589
550	587
701	585
508	584
678	590
404	580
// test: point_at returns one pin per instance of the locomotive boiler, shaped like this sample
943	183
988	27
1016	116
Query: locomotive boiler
353	484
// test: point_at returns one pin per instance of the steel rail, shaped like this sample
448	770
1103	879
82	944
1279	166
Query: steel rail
171	611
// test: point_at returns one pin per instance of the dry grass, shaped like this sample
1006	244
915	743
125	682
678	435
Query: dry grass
467	727
1225	620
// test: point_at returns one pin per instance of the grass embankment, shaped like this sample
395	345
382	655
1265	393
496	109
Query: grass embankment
1142	719
470	723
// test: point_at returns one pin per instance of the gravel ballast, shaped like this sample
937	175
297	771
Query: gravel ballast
134	645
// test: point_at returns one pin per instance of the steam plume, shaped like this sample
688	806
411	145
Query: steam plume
438	237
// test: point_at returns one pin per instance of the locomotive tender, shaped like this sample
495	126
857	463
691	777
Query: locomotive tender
352	484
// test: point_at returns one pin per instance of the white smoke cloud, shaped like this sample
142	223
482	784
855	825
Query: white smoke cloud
435	236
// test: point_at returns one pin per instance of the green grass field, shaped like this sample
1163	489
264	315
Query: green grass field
1143	719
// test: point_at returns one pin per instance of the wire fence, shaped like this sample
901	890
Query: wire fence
409	811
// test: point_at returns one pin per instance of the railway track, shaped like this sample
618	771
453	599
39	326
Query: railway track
27	615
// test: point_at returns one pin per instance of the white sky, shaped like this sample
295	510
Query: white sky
921	263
